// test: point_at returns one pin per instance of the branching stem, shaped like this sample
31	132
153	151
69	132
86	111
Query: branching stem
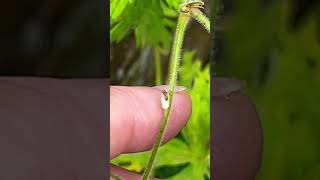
201	18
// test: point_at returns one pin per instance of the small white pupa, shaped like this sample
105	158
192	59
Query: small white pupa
164	99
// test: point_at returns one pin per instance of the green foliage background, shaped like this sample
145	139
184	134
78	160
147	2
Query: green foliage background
150	20
280	62
153	22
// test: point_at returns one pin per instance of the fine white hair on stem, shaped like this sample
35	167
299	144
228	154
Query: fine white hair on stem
187	10
201	18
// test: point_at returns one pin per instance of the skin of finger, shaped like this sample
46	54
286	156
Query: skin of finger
136	114
125	174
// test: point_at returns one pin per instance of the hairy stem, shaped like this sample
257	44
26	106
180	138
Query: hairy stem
201	18
174	64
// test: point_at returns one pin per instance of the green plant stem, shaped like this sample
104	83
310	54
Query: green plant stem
174	64
201	18
114	176
158	67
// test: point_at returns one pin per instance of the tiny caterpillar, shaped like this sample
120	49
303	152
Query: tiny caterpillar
164	99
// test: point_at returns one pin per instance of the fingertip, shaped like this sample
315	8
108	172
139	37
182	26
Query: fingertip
180	112
125	174
138	114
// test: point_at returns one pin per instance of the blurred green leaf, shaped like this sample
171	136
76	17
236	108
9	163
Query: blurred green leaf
150	21
281	66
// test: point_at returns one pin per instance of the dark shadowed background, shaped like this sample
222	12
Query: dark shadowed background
275	47
53	38
52	128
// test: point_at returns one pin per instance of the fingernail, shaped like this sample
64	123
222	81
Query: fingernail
176	88
179	88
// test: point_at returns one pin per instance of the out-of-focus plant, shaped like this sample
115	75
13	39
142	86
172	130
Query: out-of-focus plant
188	155
150	21
280	62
